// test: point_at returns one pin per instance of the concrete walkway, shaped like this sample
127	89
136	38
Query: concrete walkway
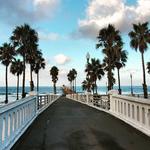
69	125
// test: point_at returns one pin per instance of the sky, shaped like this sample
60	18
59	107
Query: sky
68	29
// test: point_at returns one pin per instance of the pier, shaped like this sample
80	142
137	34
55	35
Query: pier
78	122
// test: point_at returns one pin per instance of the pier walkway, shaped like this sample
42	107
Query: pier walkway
69	125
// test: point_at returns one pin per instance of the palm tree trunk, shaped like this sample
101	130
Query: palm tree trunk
95	86
31	79
17	86
23	80
70	85
37	82
119	89
144	78
54	88
109	76
75	85
6	100
93	90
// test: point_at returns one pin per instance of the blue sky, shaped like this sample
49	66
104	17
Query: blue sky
67	31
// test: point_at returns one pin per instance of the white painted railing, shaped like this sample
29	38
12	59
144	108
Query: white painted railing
134	111
16	117
97	101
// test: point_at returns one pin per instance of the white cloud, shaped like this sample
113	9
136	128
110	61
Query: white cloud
48	36
27	10
61	59
100	13
44	8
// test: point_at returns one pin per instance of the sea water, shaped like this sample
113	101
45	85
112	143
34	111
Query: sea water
47	89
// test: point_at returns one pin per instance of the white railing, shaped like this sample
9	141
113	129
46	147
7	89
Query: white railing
44	101
134	111
97	101
17	116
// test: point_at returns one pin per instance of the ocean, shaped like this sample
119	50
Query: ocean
47	89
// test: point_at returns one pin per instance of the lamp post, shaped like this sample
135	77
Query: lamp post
88	57
131	84
88	91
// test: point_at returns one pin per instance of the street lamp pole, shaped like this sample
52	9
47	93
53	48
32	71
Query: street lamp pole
88	59
131	84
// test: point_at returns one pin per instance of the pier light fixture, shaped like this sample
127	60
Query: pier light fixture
88	57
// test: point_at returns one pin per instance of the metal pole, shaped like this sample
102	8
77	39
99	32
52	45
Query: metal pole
131	85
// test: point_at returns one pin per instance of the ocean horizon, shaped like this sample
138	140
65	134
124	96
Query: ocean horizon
49	89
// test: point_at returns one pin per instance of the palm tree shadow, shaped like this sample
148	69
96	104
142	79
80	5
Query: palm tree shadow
76	141
106	141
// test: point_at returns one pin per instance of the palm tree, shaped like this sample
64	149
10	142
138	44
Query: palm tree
122	59
85	85
31	60
140	38
88	85
39	64
148	67
54	73
7	54
74	76
23	38
109	38
95	71
16	68
70	76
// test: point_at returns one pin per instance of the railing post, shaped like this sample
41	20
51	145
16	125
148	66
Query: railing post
112	103
1	125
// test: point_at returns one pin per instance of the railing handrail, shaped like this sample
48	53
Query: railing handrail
133	99
16	103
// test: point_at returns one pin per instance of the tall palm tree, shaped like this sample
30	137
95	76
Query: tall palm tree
23	38
88	85
7	54
16	68
54	73
74	76
95	71
121	60
108	39
148	67
39	64
70	76
31	60
140	38
85	85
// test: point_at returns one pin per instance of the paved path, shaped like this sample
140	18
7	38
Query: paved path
69	125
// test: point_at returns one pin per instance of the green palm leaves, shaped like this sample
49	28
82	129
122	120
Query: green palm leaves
109	39
17	69
54	73
72	75
140	38
7	53
24	45
94	70
25	40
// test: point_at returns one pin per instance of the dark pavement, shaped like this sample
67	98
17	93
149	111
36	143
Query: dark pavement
69	125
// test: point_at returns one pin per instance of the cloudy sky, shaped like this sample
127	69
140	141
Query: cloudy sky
67	31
